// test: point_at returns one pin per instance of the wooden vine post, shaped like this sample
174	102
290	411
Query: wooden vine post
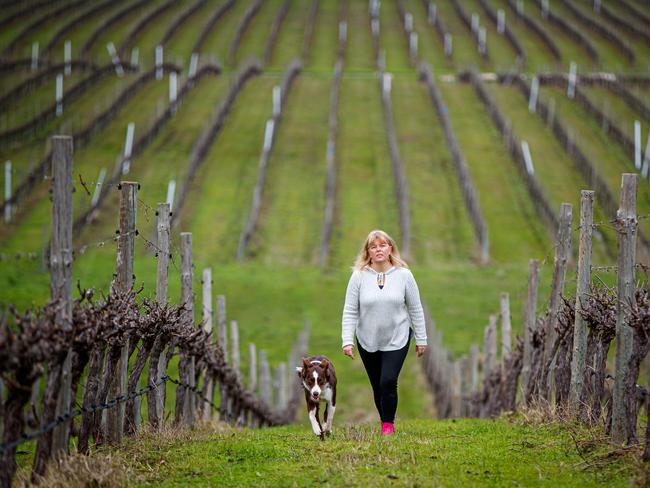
61	271
579	356
626	222
163	216
123	283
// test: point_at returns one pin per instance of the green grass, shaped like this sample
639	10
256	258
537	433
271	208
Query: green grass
639	45
11	31
359	54
430	46
538	56
393	39
25	108
220	197
465	50
617	110
608	157
570	50
180	46
290	39
295	182
490	167
151	35
502	54
554	168
118	31
82	31
253	42
365	188
467	452
325	41
217	43
440	226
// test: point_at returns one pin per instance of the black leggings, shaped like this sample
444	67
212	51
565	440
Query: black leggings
383	368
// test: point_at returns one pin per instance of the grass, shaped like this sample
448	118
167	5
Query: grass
538	56
365	189
11	31
430	46
217	43
325	41
490	166
554	168
440	226
465	49
290	39
467	452
152	33
253	42
295	184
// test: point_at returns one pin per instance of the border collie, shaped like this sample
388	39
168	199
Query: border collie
319	380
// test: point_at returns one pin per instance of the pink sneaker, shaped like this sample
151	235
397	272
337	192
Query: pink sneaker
387	428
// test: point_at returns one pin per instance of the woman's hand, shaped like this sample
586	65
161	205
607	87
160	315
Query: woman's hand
349	351
419	350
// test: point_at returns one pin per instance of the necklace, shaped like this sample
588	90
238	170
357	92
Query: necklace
381	280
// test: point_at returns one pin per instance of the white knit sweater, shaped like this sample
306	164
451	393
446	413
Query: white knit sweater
380	317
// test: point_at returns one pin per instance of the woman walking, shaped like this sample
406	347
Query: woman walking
383	310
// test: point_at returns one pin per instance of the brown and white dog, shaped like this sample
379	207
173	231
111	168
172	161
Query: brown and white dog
319	380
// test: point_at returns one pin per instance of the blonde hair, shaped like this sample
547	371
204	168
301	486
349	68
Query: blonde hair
363	258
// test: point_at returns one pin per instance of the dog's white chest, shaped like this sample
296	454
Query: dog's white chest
326	396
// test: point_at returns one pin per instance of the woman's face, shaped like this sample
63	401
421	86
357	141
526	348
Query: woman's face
379	250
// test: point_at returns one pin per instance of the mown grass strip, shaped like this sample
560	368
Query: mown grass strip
106	145
295	181
219	198
323	49
610	159
289	43
187	38
365	185
465	51
553	167
441	229
392	39
217	42
491	168
430	46
360	55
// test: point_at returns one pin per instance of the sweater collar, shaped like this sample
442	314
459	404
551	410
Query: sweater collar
377	272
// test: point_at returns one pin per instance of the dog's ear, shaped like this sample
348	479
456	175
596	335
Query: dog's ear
324	364
305	363
299	370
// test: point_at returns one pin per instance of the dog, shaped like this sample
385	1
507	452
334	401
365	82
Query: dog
319	380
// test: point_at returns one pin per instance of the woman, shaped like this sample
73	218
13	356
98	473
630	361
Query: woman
383	309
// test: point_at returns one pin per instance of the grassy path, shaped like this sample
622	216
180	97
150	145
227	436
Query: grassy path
326	35
538	56
151	34
570	50
295	185
468	452
288	44
34	230
502	54
118	32
359	55
82	31
253	42
465	49
393	39
218	204
430	46
179	47
441	229
554	168
491	167
25	107
608	157
366	195
217	42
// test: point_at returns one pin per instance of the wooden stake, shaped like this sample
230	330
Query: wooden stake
530	318
61	270
627	230
579	357
123	283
